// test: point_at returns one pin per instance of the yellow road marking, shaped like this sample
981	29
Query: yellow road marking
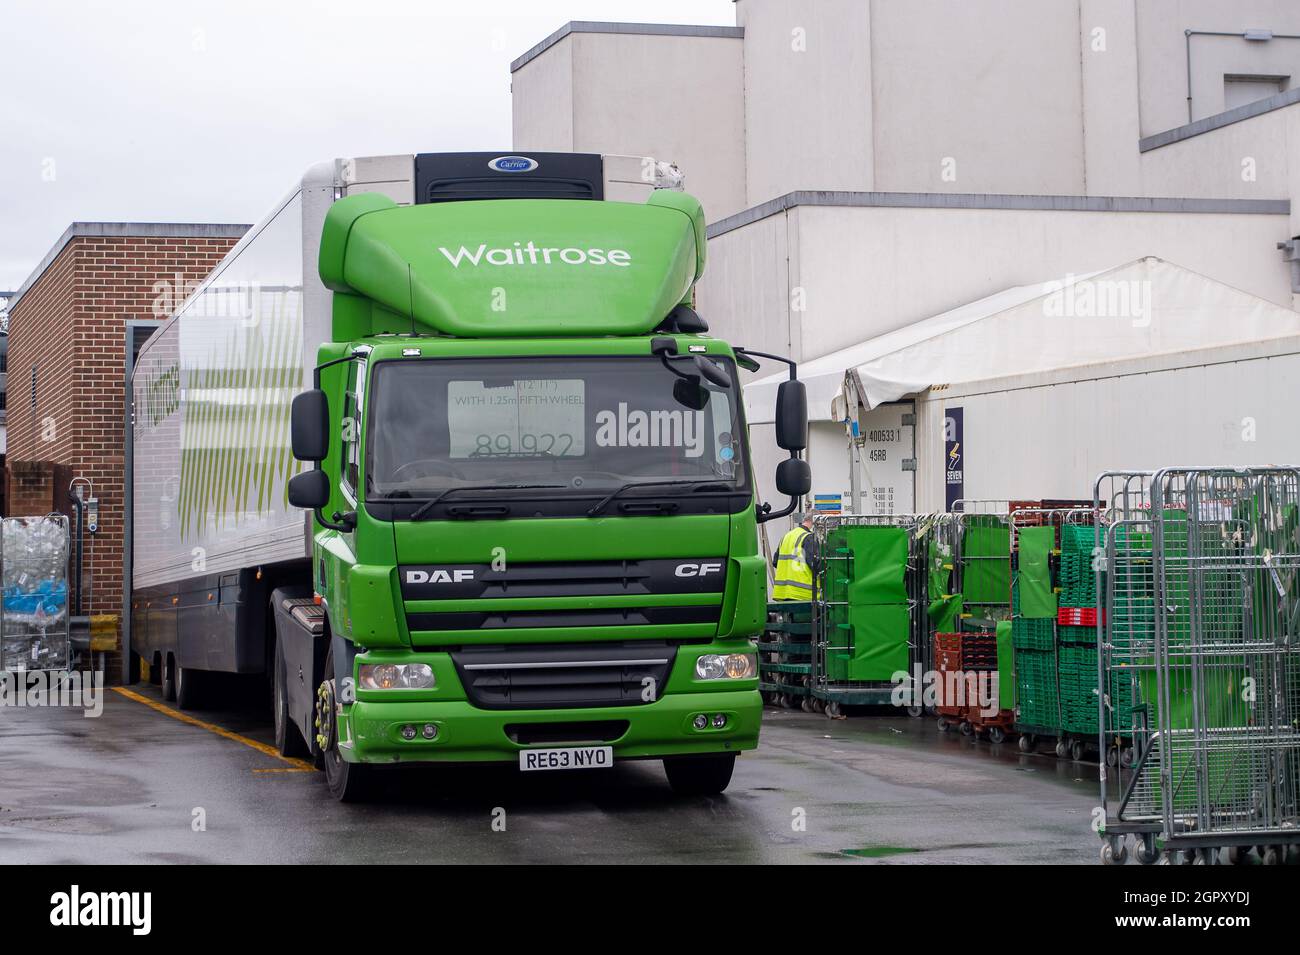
296	765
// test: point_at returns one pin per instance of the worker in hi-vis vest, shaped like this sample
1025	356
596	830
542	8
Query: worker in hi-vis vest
794	562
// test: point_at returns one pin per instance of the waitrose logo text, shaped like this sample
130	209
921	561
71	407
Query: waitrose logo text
529	253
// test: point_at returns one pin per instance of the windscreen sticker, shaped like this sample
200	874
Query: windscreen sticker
542	416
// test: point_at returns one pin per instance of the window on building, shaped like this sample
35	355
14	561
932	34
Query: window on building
1239	89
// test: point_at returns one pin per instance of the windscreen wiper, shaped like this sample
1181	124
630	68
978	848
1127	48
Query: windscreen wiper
428	505
693	485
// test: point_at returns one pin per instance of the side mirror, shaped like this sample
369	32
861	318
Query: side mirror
310	489
792	416
309	429
793	477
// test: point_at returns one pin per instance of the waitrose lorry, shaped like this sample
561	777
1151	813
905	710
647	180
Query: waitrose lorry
442	448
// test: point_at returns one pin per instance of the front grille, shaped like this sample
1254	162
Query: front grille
612	617
577	578
569	676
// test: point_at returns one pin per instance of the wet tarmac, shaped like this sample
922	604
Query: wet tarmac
134	785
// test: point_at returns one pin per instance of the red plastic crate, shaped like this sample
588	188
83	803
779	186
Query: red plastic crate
1077	616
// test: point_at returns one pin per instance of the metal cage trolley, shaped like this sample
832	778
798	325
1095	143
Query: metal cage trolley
868	619
35	631
1204	595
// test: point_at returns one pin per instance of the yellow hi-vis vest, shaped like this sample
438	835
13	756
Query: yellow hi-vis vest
794	578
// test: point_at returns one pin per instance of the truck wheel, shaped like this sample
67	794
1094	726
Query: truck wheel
288	740
186	681
169	677
699	775
348	782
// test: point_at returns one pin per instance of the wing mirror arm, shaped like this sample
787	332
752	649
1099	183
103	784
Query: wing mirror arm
793	476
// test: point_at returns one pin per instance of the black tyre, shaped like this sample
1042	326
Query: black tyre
700	775
188	688
169	677
288	740
348	782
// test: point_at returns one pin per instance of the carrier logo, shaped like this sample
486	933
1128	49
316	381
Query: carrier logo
513	164
697	570
456	576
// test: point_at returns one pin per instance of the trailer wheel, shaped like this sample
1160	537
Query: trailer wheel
915	712
943	725
1077	750
187	687
1062	748
169	677
699	775
966	728
348	782
997	734
1026	743
288	740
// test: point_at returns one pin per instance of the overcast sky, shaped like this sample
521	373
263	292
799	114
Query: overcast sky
190	111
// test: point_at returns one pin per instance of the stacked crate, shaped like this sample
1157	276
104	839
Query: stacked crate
1076	631
949	704
1077	670
1034	642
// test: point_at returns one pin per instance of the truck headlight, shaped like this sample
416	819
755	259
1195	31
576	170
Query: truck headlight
396	676
726	666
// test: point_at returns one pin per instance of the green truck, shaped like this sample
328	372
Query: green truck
531	516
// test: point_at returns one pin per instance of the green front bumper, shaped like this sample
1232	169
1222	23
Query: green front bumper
469	734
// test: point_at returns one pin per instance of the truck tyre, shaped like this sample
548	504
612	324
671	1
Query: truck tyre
288	740
699	775
169	677
348	782
186	681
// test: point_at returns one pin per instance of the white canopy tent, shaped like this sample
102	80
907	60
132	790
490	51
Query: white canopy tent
1142	308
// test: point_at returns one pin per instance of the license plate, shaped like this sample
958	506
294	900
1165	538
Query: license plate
574	757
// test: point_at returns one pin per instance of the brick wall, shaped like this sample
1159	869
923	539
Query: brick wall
71	325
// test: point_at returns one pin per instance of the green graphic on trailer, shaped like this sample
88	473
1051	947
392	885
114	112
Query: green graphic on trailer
235	455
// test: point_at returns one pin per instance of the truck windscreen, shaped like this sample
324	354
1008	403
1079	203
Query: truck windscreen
572	424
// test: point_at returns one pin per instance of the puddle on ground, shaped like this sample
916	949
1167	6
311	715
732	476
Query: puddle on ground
877	852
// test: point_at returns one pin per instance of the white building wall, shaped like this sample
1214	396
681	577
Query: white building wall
808	96
676	98
1162	53
868	270
977	97
1052	436
541	94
